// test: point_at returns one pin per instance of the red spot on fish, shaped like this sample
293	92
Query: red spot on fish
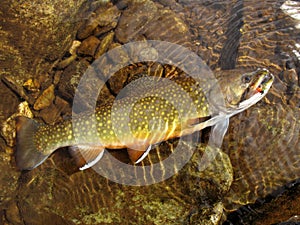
260	90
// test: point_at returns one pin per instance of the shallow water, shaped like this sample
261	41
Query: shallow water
262	142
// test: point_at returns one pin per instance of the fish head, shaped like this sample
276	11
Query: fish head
242	91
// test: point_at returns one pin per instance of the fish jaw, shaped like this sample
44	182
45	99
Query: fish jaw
258	89
246	92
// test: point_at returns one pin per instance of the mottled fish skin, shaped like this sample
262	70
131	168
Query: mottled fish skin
145	116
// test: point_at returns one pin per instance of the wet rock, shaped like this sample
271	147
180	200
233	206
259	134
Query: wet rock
52	113
88	93
104	45
88	46
56	77
62	105
9	102
45	99
178	200
117	81
269	131
13	214
130	26
35	34
32	85
263	165
8	127
8	131
74	47
70	79
9	176
151	22
73	51
14	85
276	209
64	63
295	218
167	26
118	57
106	17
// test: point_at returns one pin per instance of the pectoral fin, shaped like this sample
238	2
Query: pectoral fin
86	156
195	121
136	156
218	132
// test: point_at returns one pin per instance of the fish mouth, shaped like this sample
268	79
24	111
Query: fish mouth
262	82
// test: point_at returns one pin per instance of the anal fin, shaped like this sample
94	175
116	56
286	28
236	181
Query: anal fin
86	156
136	156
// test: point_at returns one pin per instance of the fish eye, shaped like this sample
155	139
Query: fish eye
246	79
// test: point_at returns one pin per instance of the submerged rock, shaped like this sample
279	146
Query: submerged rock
262	143
186	198
45	99
35	34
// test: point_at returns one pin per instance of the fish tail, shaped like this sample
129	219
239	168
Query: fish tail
27	155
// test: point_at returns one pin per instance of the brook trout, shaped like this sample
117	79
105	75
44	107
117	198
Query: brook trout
150	112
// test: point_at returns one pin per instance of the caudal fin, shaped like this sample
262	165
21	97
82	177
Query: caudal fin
27	155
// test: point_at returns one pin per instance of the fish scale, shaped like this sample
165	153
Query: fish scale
148	111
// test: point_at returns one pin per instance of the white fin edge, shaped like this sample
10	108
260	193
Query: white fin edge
92	163
144	155
218	132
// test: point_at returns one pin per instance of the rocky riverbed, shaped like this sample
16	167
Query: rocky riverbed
44	58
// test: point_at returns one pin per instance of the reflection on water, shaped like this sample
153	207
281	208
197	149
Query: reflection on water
262	143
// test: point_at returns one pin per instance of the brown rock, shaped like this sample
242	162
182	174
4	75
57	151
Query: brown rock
13	214
118	57
70	79
129	26
32	85
62	105
151	22
104	17
64	63
88	46
167	26
50	114
104	45
45	99
8	127
35	34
